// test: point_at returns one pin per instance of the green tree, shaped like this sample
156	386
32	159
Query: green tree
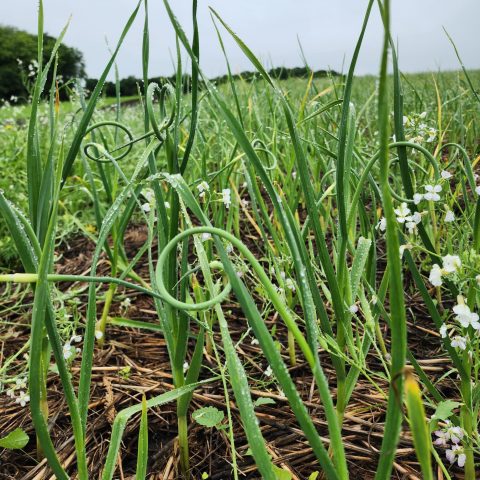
18	59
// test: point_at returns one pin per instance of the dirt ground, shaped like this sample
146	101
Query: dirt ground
143	352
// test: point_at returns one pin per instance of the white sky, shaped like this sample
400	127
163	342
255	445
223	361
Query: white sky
327	29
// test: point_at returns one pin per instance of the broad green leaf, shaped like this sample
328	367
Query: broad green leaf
445	410
208	416
263	401
14	440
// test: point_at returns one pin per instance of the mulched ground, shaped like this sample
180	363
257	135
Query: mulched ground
144	353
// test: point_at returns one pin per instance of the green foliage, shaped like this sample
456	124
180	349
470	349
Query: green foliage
208	416
21	46
14	440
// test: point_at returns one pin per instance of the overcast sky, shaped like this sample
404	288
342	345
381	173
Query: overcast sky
327	30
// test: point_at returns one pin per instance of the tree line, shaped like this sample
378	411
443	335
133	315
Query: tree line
18	68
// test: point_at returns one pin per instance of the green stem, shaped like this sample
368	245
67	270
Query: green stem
102	323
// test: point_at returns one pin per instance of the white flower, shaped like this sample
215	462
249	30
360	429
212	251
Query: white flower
226	199
402	213
459	342
353	309
98	334
203	187
465	316
456	453
185	367
451	263
477	190
412	221
446	174
167	205
449	433
289	284
268	372
254	341
443	330
21	383
206	236
68	351
477	279
432	192
432	134
435	275
417	198
23	398
382	224
146	207
449	216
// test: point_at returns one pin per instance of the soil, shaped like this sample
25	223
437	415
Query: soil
144	353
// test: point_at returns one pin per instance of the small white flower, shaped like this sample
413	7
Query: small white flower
449	216
185	367
268	372
432	192
353	309
477	190
167	205
146	207
412	221
446	174
382	224
68	351
432	135
226	199
289	284
21	383
402	213
203	187
254	341
23	398
98	334
294	174
459	342
451	263
464	316
443	331
435	275
125	303
456	453
206	236
477	279
417	198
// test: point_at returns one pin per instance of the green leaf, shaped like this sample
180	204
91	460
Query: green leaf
282	474
314	476
14	440
445	410
208	416
263	401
